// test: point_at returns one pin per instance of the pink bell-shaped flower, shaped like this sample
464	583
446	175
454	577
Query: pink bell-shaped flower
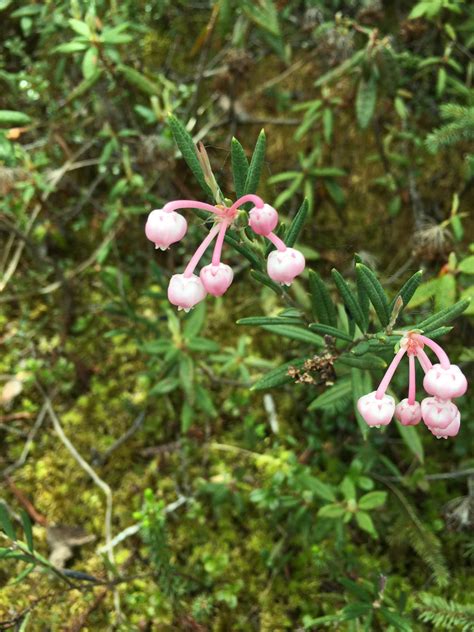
375	411
445	383
450	431
216	279
164	228
438	413
263	220
186	291
408	414
284	265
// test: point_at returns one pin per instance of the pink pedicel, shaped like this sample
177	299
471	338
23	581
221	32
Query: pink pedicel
216	279
450	431
284	266
438	413
165	228
186	291
376	411
445	383
408	414
263	220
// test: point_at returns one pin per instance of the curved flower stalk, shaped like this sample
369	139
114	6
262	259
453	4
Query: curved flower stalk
166	226
444	381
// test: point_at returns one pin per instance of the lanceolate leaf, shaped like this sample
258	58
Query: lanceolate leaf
243	250
188	149
265	279
444	316
332	395
375	291
5	522
407	290
256	164
297	224
296	333
438	332
10	117
327	330
365	100
321	302
240	167
259	321
362	295
349	299
412	440
139	80
278	376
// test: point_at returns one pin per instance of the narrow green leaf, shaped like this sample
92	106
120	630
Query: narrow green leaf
295	333
10	117
279	376
366	361
80	27
407	290
331	511
195	321
6	523
165	386
321	302
365	100
240	167
327	330
348	298
232	240
332	396
188	149
70	47
444	316
438	332
259	321
297	225
317	487
27	528
265	280
84	86
137	79
411	439
375	291
362	296
186	376
256	164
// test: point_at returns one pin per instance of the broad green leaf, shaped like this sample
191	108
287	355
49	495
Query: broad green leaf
445	292
10	117
375	291
188	149
6	523
332	395
331	511
89	63
296	333
80	27
372	500
407	290
348	488
467	265
256	164
278	376
365	100
297	225
317	487
240	167
327	330
444	316
411	439
321	301
364	521
195	321
424	292
468	294
349	299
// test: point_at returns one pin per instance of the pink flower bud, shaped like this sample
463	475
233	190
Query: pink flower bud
185	292
408	414
450	431
438	413
376	412
217	279
263	220
445	383
284	265
165	228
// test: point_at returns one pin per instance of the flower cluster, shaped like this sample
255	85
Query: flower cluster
165	226
443	381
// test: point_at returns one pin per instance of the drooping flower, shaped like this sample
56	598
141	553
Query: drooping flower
444	381
165	226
